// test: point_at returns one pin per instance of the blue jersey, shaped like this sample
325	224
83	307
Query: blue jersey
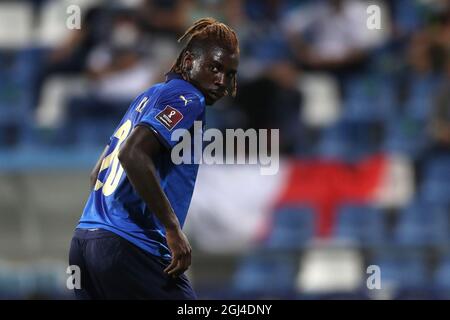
114	205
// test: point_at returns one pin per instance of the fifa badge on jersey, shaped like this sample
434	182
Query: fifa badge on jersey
169	117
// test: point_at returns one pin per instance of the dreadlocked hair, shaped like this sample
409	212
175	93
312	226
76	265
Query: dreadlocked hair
208	31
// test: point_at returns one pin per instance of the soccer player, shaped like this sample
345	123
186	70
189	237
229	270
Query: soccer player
129	242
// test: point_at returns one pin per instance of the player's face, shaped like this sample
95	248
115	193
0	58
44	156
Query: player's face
212	72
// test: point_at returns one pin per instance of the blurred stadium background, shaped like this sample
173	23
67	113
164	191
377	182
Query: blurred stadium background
364	119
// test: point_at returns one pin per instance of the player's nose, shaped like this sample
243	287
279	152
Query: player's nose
220	80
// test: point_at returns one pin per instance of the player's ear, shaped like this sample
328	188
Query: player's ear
187	61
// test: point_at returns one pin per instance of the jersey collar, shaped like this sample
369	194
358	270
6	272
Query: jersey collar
173	75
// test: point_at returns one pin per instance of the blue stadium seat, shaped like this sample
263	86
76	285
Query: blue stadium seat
292	228
407	15
405	136
334	145
92	120
265	275
360	225
265	45
421	96
401	269
348	140
369	99
438	166
94	133
435	186
422	225
441	277
15	115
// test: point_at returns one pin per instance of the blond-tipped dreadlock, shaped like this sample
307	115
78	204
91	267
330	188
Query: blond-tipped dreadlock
208	31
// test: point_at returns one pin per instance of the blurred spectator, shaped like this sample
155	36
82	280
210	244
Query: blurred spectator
419	69
426	55
440	121
273	101
117	70
439	33
267	95
164	17
210	8
331	35
70	57
419	55
430	45
428	82
262	46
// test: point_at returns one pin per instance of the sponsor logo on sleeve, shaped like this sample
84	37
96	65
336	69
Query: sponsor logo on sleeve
169	117
186	101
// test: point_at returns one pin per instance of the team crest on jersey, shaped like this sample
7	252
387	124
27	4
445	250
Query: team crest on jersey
169	117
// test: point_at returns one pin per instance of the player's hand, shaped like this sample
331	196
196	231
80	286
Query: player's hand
181	252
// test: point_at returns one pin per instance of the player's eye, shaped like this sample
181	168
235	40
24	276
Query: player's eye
214	69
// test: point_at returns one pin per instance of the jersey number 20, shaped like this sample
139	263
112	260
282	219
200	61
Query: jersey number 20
111	160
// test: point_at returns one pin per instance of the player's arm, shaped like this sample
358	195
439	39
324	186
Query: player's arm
94	174
136	157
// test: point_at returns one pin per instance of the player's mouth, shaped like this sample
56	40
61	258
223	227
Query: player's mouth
215	94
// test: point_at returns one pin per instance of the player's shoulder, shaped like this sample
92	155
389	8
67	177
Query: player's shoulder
153	90
177	93
178	90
